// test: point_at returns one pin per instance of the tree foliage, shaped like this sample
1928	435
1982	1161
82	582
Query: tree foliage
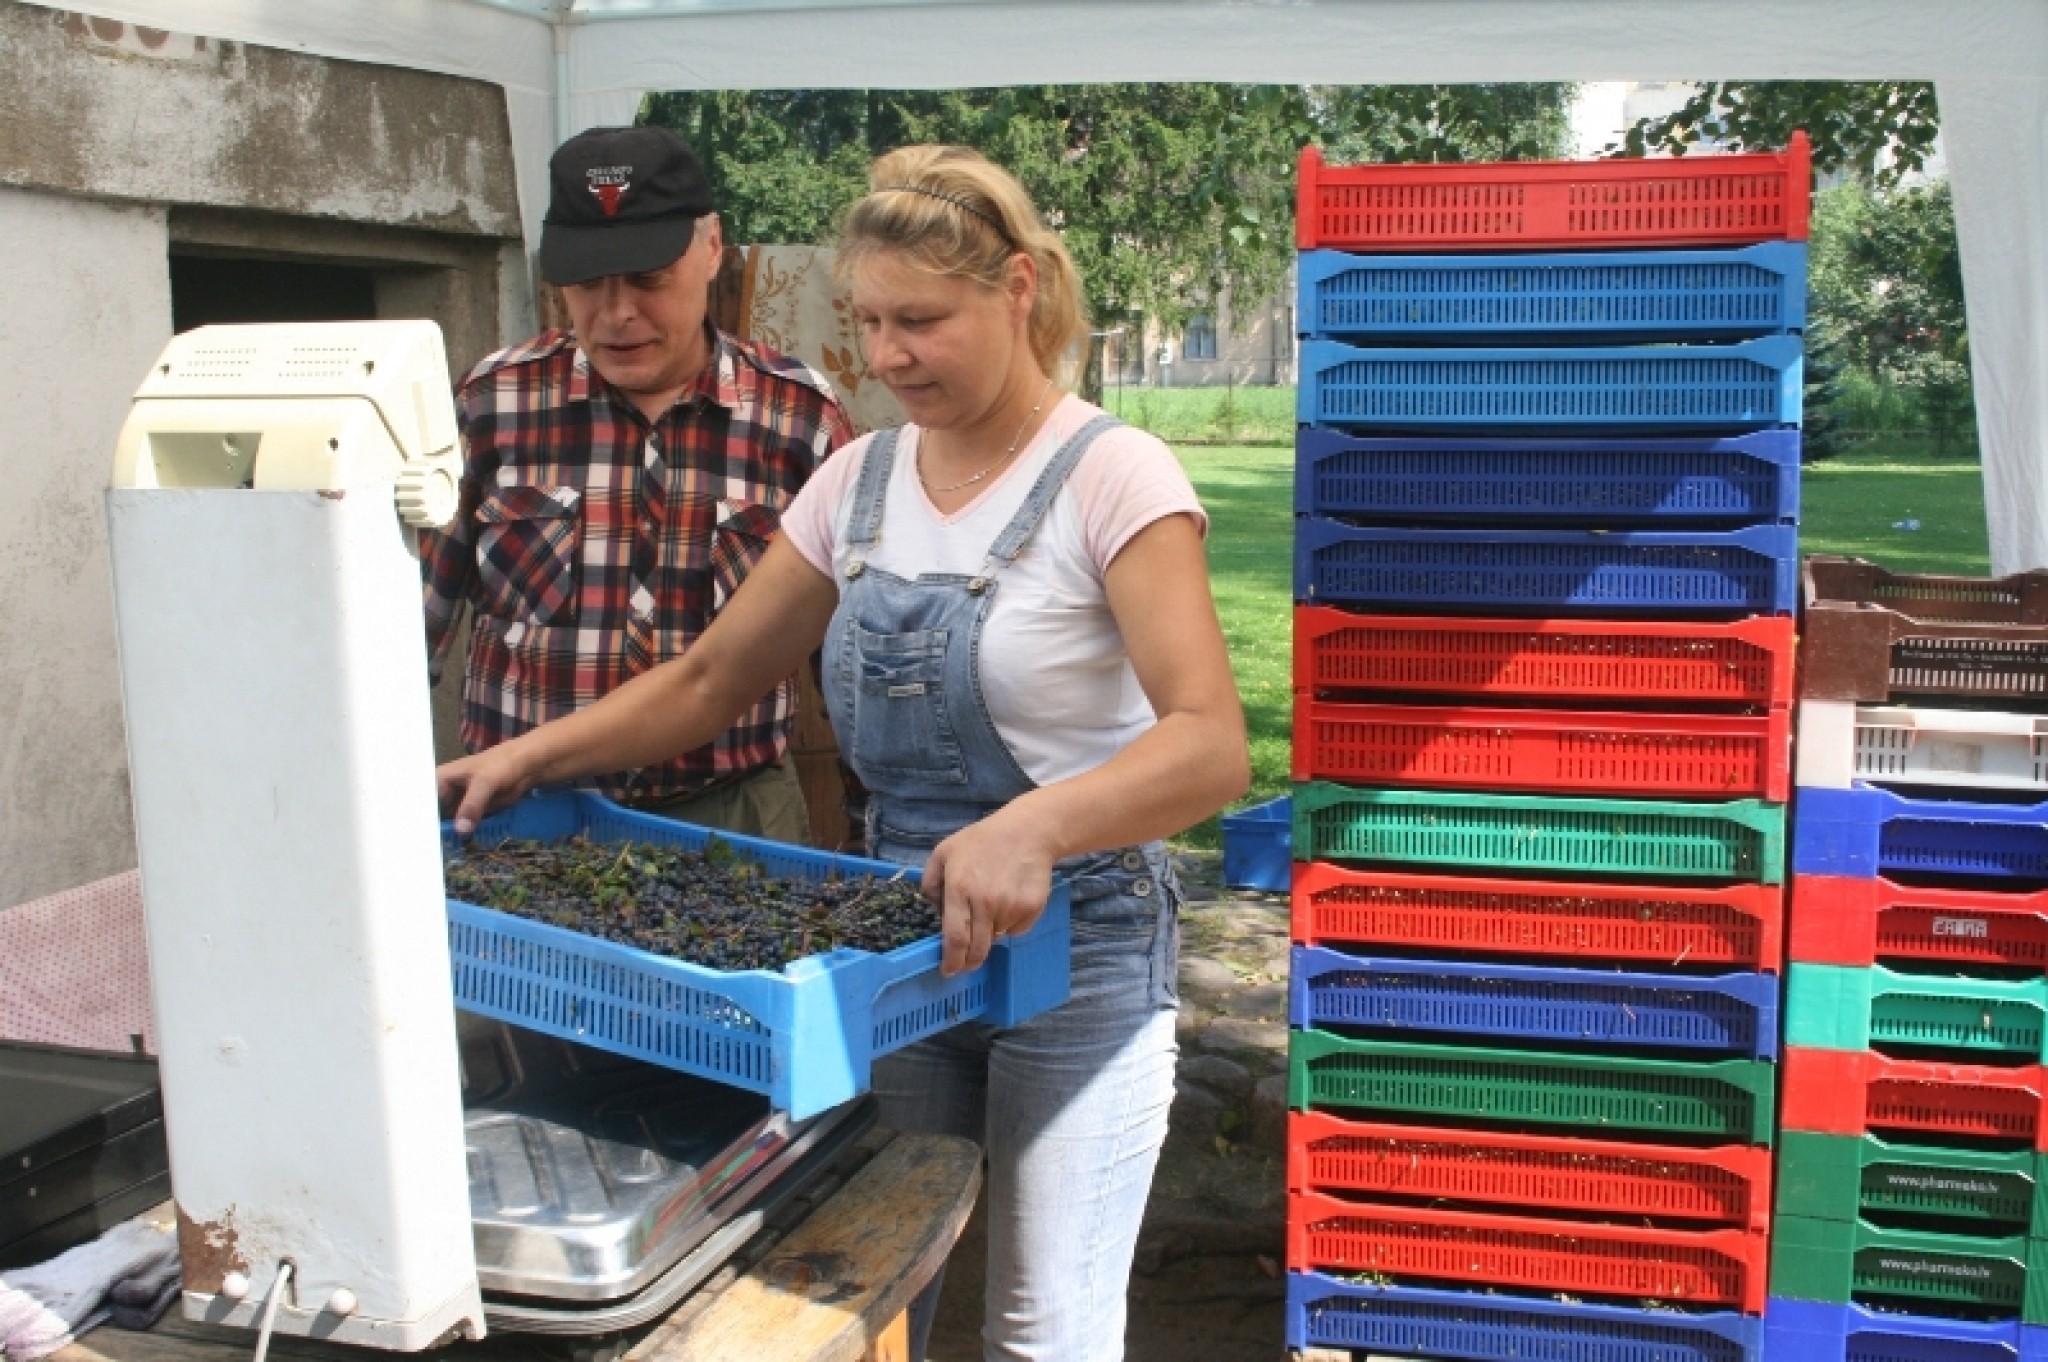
1877	130
1167	195
1887	276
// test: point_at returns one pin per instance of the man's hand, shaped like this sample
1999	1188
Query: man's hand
478	786
990	880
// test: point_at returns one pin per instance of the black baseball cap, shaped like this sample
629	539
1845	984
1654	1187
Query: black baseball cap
620	201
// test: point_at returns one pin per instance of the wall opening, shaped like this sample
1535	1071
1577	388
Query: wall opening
209	290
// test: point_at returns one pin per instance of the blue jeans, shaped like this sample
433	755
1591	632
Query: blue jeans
1071	1108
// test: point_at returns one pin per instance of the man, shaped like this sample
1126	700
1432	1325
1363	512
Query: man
621	478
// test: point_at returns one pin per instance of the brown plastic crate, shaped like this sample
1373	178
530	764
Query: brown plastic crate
1875	636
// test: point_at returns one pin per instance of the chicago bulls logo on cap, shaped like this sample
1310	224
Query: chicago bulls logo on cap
610	184
620	201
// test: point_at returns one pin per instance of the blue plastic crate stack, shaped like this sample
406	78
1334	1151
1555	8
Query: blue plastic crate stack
1547	498
1912	1206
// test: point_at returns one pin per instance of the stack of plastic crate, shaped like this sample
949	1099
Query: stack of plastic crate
1912	1208
1547	493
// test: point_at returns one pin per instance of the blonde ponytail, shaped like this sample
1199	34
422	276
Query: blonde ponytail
950	210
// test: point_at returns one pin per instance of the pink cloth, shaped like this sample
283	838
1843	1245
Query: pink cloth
74	968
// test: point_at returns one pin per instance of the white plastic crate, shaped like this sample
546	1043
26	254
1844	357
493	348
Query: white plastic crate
1840	743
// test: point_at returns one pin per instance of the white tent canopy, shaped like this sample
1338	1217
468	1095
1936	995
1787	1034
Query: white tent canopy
566	66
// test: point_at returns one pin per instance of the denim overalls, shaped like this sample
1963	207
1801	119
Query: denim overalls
1072	1105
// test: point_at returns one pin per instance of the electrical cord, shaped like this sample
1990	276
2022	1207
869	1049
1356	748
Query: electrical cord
270	1304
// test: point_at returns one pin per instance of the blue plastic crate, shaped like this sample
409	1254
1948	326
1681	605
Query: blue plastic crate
1721	1014
1750	385
1411	1321
1587	297
1258	847
1599	483
1654	574
1864	832
1815	1331
806	1036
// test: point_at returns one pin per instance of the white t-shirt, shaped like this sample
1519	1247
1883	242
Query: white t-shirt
1054	671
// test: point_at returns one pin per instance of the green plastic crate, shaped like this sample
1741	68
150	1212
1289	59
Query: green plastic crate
1731	1099
1840	1007
1854	1261
1842	1177
1740	839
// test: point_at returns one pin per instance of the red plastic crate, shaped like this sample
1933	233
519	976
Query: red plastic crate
1837	920
1545	750
1860	1092
1728	1186
1747	662
1669	925
1521	205
1418	1244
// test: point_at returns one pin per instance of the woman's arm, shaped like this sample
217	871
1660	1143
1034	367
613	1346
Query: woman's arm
771	624
994	876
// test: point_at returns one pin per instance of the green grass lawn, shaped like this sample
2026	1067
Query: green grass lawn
1208	416
1249	493
1853	501
1851	504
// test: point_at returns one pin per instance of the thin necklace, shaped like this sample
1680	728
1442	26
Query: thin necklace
1003	458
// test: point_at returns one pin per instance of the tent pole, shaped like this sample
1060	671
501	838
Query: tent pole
564	120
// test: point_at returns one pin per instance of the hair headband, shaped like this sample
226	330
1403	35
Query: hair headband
943	197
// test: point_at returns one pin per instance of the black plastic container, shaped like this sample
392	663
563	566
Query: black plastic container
81	1147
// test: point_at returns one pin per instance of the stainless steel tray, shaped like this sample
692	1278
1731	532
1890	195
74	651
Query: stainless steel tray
590	1174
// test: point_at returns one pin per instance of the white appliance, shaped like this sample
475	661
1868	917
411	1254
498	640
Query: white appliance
266	493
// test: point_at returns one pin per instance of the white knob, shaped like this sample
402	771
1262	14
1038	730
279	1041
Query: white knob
342	1302
427	496
235	1285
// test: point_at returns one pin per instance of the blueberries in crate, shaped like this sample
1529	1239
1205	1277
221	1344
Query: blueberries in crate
713	907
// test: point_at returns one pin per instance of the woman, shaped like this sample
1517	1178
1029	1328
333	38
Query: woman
1024	666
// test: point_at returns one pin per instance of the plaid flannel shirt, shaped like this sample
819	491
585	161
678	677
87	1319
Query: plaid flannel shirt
593	544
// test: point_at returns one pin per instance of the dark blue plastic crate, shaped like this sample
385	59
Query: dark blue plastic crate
1599	483
1752	571
1750	385
805	1036
1721	1014
1411	1321
1815	1331
1258	846
1587	297
1863	832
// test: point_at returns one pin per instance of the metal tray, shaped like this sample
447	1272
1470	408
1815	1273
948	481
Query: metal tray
590	1173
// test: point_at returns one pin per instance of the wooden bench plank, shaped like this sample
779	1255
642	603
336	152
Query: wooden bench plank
831	1291
841	1278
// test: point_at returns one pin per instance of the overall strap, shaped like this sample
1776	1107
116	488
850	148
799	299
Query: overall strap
864	526
1024	524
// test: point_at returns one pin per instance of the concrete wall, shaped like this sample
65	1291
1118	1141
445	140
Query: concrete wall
97	107
85	305
118	146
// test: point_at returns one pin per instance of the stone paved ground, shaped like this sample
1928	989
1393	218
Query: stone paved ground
1208	1282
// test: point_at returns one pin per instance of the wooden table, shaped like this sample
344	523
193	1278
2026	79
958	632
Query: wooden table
828	1281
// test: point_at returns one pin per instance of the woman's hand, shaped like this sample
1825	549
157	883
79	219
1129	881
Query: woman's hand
477	786
990	879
